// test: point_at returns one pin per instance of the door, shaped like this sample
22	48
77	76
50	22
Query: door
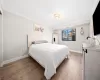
0	39
55	38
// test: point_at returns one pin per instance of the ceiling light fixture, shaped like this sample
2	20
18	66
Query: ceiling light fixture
57	16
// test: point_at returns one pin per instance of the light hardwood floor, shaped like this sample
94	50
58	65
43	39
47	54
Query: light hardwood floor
29	69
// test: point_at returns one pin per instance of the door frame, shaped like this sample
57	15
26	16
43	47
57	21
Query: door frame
55	34
1	64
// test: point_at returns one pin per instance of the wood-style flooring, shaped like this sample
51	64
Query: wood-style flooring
29	69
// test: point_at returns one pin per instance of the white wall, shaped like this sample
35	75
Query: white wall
0	4
75	45
15	30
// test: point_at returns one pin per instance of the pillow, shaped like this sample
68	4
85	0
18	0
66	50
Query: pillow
39	42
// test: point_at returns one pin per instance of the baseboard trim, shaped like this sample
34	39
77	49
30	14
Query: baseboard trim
76	51
13	60
21	57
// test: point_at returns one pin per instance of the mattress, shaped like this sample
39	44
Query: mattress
49	56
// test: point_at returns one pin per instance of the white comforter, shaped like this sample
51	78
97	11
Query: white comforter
49	56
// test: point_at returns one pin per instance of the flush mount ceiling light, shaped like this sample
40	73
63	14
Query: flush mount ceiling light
57	15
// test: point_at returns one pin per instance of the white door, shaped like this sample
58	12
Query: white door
0	39
55	38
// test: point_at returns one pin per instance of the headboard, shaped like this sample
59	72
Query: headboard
31	40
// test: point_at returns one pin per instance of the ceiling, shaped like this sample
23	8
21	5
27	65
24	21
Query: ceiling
41	11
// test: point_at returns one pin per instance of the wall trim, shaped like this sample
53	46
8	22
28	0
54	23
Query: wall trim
13	60
76	51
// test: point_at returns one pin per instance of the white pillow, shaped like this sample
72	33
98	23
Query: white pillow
39	42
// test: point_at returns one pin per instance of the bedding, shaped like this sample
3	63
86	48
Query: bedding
49	56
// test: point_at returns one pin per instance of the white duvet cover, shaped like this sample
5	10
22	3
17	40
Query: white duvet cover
49	56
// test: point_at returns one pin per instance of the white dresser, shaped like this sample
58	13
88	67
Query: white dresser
92	63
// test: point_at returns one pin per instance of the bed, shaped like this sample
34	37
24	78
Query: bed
49	56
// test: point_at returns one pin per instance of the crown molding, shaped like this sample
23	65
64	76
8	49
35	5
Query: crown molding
17	14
